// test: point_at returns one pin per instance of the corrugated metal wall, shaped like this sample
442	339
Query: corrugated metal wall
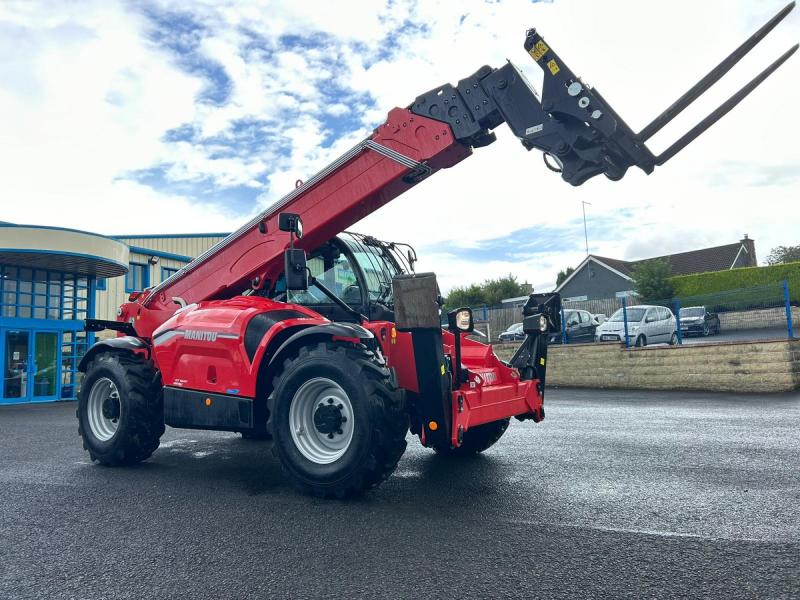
110	299
183	245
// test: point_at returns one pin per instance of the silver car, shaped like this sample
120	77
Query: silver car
646	325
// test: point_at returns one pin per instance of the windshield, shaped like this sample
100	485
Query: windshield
634	315
376	262
514	327
697	311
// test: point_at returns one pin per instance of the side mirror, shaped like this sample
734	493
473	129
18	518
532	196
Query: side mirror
460	320
294	267
292	223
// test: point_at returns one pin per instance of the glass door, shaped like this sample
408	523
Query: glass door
15	364
45	365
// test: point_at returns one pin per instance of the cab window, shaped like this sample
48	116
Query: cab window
339	277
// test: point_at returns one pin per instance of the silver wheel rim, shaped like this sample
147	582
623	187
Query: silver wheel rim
319	446
104	409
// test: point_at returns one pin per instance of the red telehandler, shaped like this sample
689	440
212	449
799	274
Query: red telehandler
329	342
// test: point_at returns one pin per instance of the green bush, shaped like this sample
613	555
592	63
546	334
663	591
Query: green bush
703	284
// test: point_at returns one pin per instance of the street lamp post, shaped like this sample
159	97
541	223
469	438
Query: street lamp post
585	233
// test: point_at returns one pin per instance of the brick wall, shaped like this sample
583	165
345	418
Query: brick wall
727	367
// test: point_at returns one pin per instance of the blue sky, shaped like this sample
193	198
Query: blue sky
187	117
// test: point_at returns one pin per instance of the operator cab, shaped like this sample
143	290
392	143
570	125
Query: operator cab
357	268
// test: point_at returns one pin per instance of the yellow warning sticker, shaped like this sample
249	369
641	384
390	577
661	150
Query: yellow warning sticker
553	66
442	369
539	50
541	361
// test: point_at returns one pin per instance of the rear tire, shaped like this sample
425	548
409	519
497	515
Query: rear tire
120	409
476	439
338	420
673	340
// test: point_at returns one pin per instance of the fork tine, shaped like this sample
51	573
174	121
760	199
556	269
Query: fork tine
713	76
723	109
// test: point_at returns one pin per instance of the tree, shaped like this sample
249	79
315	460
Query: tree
651	280
465	296
562	275
783	254
489	293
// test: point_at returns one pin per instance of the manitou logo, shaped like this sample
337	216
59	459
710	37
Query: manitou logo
200	336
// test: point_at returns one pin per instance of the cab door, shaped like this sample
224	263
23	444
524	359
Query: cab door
336	270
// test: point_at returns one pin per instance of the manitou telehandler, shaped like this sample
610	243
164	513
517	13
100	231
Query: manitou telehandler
329	342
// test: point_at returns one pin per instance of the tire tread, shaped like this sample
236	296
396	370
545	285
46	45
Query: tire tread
388	429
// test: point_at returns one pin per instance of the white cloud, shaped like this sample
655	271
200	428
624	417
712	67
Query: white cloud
91	96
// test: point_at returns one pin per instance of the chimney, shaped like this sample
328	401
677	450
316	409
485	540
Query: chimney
751	251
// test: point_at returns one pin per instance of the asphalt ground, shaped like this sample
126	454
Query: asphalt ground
737	335
615	494
740	335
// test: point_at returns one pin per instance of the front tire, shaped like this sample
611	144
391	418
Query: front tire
641	342
338	420
120	409
476	439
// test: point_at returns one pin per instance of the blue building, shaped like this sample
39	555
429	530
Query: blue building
53	278
48	278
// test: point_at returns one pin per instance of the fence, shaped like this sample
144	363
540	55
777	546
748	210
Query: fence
756	313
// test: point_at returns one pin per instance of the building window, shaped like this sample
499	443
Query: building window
102	285
138	277
167	271
73	346
38	294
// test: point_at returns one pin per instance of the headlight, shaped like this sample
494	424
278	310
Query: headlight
535	324
542	323
460	320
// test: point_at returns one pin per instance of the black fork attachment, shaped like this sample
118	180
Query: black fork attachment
577	130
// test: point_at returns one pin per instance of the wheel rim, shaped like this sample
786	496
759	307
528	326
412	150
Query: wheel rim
321	420
104	409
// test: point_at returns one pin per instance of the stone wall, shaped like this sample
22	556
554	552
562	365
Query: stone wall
758	318
726	367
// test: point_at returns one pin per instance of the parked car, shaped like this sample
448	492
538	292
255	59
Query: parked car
513	333
646	325
697	319
580	325
599	318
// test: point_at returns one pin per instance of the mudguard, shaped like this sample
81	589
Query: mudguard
346	331
127	342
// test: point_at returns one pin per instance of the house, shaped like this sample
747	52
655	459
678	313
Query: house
602	277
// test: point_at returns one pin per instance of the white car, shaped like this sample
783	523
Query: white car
646	325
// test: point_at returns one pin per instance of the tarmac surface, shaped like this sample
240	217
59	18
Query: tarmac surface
616	494
740	335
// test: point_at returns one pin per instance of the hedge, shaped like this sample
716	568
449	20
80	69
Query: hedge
701	284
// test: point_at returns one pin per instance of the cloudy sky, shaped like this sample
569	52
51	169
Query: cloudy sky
176	117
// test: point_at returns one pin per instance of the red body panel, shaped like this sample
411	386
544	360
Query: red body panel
212	357
494	390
